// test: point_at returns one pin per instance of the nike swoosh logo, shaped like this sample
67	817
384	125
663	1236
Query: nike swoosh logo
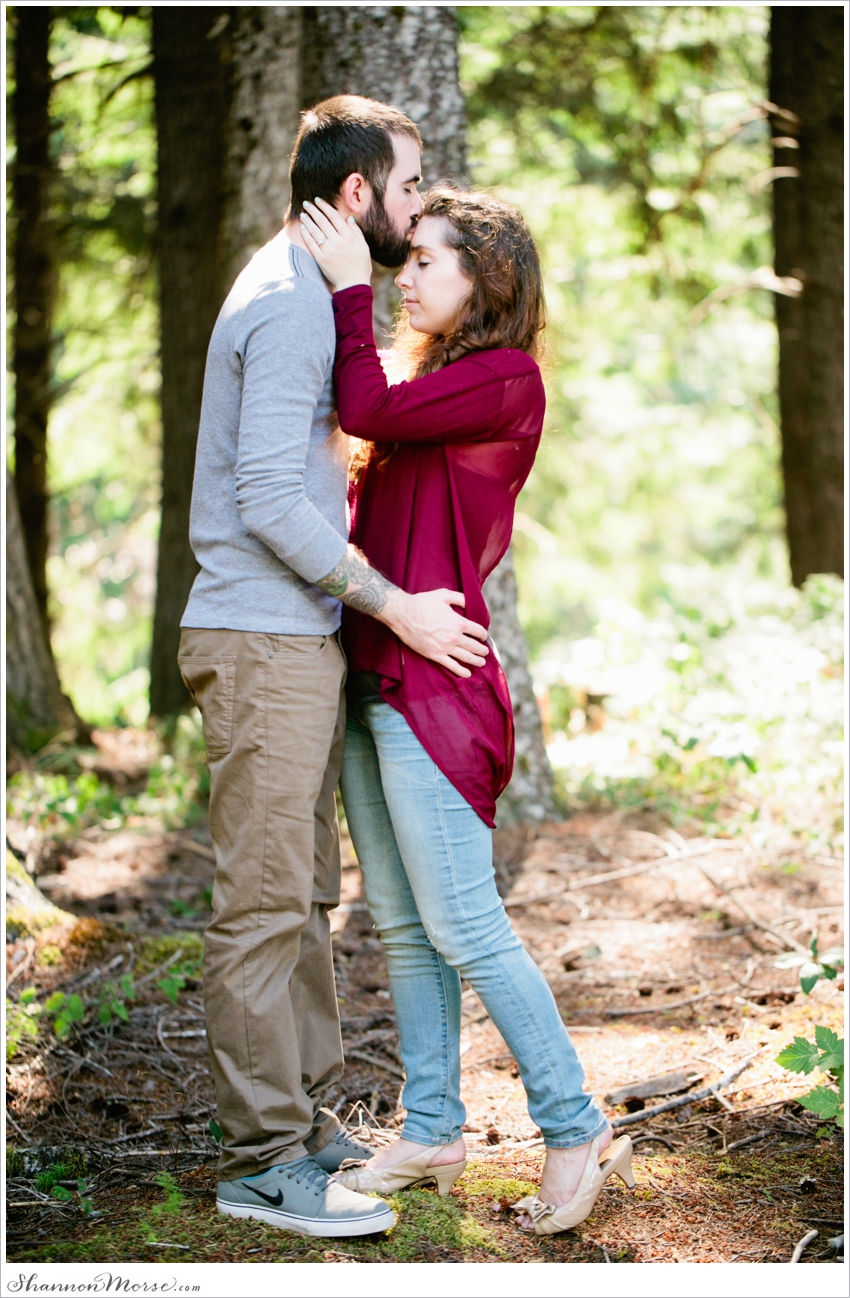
274	1199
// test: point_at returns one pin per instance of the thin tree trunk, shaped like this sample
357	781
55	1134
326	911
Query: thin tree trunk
408	57
806	85
36	708
35	286
191	100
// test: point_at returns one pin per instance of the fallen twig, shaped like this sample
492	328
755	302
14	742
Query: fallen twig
662	1140
704	1093
804	1242
751	916
376	1062
748	1140
658	1009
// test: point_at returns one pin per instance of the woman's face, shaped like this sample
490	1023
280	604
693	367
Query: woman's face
432	281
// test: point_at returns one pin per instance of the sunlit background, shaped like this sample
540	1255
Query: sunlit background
674	662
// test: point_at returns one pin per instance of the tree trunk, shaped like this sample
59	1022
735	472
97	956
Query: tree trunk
408	57
34	286
402	56
263	118
806	86
36	708
190	91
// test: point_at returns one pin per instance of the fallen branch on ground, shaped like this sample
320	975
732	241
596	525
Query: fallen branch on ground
748	1140
658	1009
365	1058
701	847
752	917
704	1093
804	1242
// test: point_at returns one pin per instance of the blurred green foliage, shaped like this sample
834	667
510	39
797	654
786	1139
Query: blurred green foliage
104	428
632	141
63	804
649	537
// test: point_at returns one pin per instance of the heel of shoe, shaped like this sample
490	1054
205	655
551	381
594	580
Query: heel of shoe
446	1176
625	1172
620	1163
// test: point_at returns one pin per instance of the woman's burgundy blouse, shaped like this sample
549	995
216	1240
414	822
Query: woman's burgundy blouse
438	514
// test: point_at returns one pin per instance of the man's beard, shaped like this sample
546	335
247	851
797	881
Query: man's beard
387	246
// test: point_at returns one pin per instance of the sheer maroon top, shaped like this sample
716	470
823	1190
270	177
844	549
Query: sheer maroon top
438	514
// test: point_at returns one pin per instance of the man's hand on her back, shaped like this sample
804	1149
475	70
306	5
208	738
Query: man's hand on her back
429	624
426	622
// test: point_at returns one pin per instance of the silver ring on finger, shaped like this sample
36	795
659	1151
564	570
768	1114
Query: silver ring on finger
320	239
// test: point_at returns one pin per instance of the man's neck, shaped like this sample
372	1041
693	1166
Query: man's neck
292	230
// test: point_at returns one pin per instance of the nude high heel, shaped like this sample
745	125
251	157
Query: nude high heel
361	1176
616	1160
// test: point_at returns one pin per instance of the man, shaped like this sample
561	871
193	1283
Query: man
260	655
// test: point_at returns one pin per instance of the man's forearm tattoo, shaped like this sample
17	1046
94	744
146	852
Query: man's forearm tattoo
356	584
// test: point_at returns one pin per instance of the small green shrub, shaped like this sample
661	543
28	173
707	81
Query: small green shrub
814	967
826	1053
111	1003
67	1011
21	1020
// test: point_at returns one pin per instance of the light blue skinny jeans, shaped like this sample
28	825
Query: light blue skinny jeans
427	863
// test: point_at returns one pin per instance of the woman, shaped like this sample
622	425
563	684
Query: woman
428	753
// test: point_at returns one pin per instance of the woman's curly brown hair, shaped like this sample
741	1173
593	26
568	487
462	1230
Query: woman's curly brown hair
505	306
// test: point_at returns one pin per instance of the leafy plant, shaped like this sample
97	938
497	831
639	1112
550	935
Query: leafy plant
825	1053
68	1011
49	1179
112	997
21	1020
814	967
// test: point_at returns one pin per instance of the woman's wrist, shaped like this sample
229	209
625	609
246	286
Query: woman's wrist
351	283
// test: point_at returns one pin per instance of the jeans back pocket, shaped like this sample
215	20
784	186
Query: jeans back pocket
212	685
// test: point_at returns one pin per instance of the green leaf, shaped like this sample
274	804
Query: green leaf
59	1192
800	1057
216	1130
76	1009
104	1014
809	974
28	995
828	1040
790	960
823	1101
54	1003
62	1026
172	985
121	1010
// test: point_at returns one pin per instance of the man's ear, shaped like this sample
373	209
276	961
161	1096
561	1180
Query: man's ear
355	195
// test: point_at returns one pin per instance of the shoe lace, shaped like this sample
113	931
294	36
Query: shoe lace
306	1171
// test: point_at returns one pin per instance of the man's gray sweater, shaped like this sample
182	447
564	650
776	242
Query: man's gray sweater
269	498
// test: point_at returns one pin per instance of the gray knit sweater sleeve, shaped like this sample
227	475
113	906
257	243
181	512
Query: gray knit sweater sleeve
268	505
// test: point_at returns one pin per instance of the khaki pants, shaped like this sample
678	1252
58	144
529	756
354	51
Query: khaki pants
273	709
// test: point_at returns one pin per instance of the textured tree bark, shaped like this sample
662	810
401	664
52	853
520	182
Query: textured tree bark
806	85
402	56
36	708
263	116
34	286
190	90
408	57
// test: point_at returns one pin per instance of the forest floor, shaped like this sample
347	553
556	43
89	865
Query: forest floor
663	967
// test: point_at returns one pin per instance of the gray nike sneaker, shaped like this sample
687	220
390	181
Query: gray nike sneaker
340	1147
301	1197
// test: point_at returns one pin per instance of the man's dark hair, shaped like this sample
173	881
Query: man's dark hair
338	137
